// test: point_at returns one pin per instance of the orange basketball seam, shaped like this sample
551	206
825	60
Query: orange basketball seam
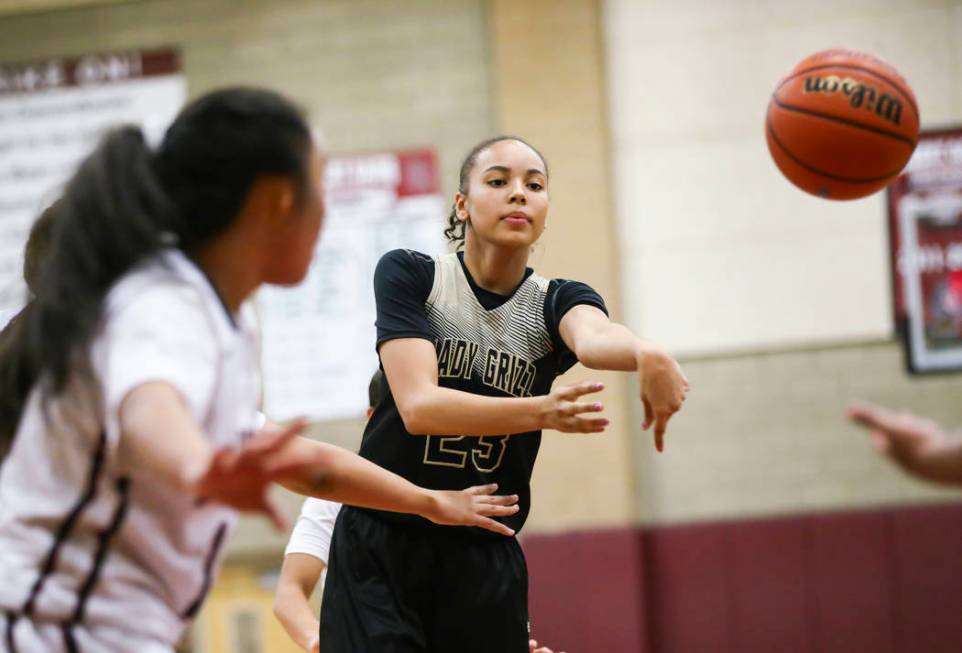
845	121
827	175
908	96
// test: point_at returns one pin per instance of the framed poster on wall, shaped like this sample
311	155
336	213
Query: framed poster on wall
925	230
52	113
319	337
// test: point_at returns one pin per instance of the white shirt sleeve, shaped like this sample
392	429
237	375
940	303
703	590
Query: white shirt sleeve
313	530
162	334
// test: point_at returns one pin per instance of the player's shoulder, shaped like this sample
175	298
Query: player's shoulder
157	289
407	258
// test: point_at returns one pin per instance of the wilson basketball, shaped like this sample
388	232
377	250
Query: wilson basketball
842	124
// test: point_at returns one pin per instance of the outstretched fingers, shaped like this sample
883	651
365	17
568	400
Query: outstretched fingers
576	390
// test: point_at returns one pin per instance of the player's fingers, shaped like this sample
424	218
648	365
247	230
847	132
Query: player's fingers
661	424
271	442
592	425
275	514
490	488
649	414
498	500
497	511
491	525
578	408
576	390
869	416
879	441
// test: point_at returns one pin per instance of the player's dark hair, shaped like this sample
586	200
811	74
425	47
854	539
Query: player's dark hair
456	228
376	389
125	202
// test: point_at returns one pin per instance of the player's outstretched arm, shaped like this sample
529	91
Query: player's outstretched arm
411	366
601	344
916	444
161	437
299	575
328	472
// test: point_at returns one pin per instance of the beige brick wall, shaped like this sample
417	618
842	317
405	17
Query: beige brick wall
766	434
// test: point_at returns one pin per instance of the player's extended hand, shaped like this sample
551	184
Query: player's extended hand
562	411
472	507
240	477
534	648
664	389
918	445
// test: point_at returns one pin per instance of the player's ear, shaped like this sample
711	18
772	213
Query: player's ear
370	411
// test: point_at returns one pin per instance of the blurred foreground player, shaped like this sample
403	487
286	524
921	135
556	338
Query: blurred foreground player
133	372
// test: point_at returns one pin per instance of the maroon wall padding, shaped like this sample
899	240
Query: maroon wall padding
879	581
586	592
927	573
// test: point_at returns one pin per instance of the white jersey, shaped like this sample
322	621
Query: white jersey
88	541
313	530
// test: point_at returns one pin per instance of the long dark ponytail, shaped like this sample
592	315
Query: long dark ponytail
125	203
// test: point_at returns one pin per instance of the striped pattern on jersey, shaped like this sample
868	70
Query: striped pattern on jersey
517	326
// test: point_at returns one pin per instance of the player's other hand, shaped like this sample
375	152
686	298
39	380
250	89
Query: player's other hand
664	389
916	444
241	477
534	648
562	409
474	506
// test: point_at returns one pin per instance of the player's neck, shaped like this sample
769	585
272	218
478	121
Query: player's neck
232	268
496	269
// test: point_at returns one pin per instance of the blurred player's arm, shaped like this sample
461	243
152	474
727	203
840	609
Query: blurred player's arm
601	344
159	436
916	444
322	470
299	575
411	366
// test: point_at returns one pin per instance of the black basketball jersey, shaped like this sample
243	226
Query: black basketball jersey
486	344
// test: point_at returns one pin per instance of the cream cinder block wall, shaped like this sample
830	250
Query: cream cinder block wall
778	302
720	252
766	434
548	71
373	74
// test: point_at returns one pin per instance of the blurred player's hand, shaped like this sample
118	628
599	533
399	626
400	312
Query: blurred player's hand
664	389
534	648
918	445
561	410
472	507
241	477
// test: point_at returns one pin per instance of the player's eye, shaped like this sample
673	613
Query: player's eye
535	186
496	182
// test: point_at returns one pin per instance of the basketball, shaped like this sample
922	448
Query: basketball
842	124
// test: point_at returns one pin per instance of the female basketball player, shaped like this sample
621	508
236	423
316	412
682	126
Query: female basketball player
471	344
136	382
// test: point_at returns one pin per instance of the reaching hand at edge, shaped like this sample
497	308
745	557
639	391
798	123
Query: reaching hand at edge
916	444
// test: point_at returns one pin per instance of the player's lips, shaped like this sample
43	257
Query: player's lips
517	218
